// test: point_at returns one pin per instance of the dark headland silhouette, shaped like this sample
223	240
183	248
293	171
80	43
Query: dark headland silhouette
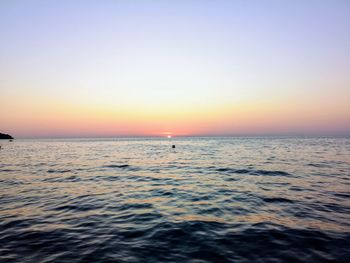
4	136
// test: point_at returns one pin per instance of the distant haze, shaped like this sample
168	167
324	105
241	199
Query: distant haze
158	68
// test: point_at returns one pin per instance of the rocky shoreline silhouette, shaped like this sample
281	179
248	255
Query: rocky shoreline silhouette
4	136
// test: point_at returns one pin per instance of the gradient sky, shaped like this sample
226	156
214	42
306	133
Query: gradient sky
116	68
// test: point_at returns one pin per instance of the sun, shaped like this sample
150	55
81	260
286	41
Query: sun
169	136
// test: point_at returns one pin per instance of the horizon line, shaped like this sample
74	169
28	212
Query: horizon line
186	136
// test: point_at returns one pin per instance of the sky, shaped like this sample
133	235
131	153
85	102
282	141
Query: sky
153	68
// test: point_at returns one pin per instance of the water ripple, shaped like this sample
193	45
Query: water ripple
211	200
252	172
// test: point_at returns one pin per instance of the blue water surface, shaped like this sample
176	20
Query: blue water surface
241	199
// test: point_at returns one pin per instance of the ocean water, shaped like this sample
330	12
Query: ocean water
207	200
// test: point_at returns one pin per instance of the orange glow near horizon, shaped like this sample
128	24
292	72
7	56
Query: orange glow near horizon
67	119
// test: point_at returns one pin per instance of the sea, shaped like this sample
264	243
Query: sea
209	199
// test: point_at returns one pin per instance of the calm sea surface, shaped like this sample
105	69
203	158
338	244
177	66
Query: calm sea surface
207	200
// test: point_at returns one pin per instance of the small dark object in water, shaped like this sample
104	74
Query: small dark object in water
173	146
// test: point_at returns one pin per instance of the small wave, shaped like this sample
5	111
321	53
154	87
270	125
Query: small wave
110	178
8	170
277	200
265	172
252	172
342	195
76	208
230	170
318	165
116	166
121	166
135	206
296	188
59	171
72	178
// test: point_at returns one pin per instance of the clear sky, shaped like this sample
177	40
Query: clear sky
116	68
